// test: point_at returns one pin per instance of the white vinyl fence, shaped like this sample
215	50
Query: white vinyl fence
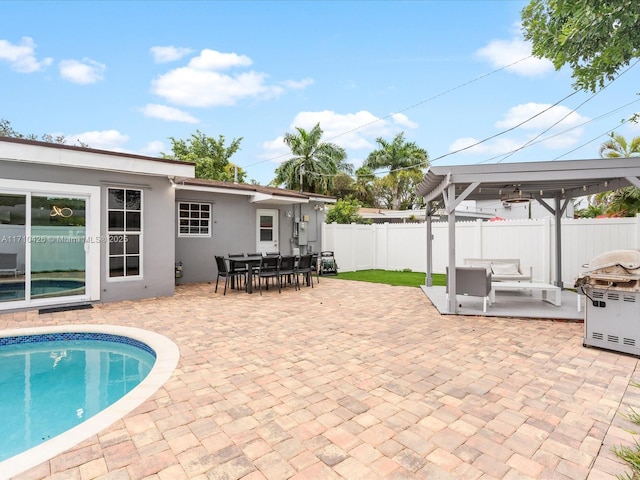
403	246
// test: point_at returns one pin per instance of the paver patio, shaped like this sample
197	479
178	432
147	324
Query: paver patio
357	381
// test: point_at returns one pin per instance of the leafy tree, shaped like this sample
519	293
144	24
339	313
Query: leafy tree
313	161
343	186
617	147
210	155
363	187
596	38
345	211
591	211
398	192
399	156
623	202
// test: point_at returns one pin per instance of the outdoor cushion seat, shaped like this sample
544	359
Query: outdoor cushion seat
502	269
9	263
474	282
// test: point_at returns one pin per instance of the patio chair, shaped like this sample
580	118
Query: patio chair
474	282
287	269
9	264
237	268
315	266
269	270
224	271
304	269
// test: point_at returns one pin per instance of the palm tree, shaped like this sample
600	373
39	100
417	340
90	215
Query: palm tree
624	201
314	163
397	155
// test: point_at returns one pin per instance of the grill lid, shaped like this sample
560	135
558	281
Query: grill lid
617	269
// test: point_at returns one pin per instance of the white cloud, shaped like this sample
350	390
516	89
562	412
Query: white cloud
298	84
275	150
402	120
351	131
500	53
22	57
169	54
214	60
82	72
169	114
111	140
556	128
553	114
200	84
153	148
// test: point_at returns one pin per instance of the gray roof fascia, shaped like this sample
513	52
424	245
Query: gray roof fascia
53	154
572	177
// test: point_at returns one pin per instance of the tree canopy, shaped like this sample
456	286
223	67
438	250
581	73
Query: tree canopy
398	156
595	38
624	202
210	155
313	164
345	211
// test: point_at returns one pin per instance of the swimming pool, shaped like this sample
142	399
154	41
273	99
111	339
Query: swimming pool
41	287
49	362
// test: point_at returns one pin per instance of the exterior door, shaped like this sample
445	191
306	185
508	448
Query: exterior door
267	231
49	244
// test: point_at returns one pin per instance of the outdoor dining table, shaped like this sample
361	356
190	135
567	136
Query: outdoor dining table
250	262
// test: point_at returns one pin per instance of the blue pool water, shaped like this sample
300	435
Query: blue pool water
53	382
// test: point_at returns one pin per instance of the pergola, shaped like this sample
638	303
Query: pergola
560	181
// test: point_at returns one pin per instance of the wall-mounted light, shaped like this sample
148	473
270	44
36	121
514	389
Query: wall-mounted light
289	214
318	208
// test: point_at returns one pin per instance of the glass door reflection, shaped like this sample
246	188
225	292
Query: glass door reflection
58	255
13	242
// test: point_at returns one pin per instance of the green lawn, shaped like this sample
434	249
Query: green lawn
392	277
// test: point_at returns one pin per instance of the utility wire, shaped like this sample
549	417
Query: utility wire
380	119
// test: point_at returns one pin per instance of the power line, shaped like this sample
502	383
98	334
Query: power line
415	105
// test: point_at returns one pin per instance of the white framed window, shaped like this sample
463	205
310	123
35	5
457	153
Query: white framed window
194	219
124	214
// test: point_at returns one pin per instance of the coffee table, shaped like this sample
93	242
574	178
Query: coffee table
550	293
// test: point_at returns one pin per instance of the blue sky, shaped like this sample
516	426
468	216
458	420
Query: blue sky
126	76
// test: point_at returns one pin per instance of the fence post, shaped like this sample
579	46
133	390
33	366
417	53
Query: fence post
478	243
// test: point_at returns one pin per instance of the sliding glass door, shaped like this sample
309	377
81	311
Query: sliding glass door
43	250
13	247
58	258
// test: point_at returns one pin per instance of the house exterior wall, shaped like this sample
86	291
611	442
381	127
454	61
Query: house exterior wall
234	230
157	229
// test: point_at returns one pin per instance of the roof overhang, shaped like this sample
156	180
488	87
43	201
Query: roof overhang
42	153
255	194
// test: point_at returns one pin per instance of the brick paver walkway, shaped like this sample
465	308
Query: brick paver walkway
356	381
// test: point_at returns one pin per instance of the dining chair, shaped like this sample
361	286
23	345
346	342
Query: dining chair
314	266
238	268
269	270
304	269
223	271
287	268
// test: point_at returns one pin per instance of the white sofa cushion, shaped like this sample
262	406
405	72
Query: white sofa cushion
505	269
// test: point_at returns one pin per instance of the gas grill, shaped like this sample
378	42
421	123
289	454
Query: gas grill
611	285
